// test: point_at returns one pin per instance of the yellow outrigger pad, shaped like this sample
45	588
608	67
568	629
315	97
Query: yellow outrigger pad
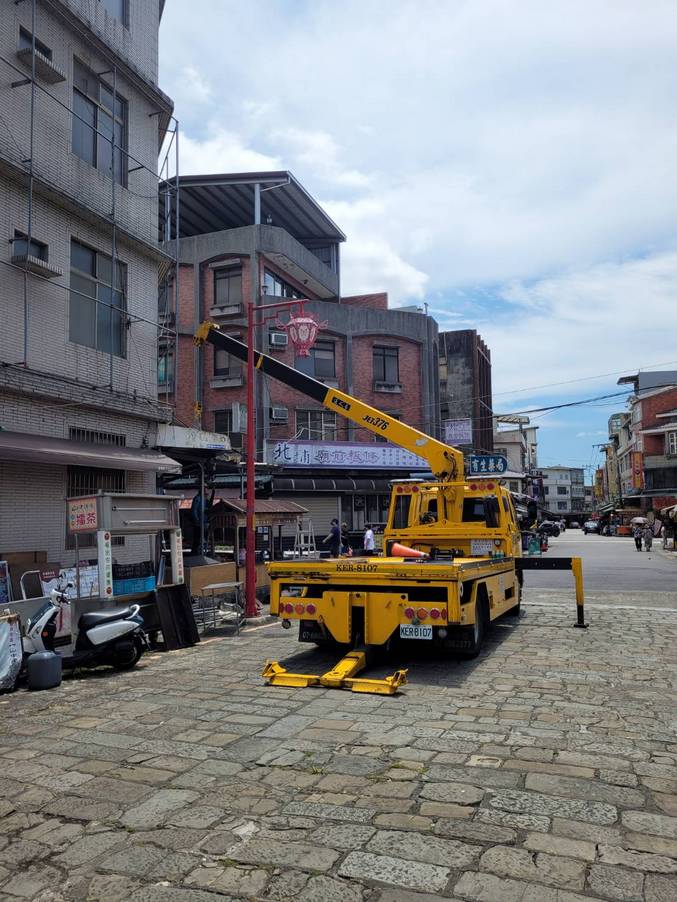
341	676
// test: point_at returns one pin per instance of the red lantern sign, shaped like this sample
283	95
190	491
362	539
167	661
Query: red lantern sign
302	331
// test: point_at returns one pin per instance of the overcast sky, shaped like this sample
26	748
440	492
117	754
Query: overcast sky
511	163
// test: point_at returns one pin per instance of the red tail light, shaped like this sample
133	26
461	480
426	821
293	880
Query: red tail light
310	609
421	613
299	608
435	614
410	613
444	613
289	608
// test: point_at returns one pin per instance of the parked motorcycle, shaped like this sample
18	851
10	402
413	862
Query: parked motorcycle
115	638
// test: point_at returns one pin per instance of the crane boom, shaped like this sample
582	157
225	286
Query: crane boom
446	462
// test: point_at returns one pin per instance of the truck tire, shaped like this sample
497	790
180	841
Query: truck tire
475	634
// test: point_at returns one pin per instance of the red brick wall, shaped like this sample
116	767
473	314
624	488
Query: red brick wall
376	301
408	402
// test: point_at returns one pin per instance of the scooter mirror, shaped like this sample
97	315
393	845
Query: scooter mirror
70	585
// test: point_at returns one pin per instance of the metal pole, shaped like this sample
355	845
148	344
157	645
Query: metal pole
30	182
113	235
250	545
203	508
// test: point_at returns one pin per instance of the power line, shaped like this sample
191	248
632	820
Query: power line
569	403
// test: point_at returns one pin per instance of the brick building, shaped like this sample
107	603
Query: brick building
257	238
647	450
83	119
465	389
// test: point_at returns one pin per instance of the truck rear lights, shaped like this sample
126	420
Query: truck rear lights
299	608
421	613
310	609
289	608
409	613
435	614
443	613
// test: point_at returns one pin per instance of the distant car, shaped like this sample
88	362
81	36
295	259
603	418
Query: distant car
575	525
590	526
548	528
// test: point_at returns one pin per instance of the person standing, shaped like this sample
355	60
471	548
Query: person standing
637	536
333	537
368	539
648	538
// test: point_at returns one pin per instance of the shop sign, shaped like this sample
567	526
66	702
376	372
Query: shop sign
357	455
487	464
637	470
82	514
458	432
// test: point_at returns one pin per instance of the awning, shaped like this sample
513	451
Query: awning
62	452
284	484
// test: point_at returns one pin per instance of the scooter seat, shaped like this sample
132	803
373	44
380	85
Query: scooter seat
96	618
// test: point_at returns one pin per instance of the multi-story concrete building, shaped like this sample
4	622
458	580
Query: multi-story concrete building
465	391
564	491
82	122
520	446
258	238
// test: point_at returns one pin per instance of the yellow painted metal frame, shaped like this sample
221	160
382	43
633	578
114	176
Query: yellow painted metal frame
341	676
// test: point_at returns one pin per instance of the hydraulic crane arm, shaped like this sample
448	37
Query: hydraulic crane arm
445	462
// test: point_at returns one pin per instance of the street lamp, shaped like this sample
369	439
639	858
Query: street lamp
302	330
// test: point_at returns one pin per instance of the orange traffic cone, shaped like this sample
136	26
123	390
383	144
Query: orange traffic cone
398	550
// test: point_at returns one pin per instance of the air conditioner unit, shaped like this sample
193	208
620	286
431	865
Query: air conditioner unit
279	414
237	440
278	339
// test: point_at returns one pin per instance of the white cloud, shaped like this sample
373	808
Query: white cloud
221	151
477	151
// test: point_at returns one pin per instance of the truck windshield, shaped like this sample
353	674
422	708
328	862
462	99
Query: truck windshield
401	512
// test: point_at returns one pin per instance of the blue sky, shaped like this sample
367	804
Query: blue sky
512	164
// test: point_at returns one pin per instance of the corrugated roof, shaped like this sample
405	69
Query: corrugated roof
214	203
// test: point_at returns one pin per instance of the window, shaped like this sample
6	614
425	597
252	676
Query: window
473	510
97	300
546	490
561	505
95	437
98	122
226	366
223	421
22	247
89	481
386	364
316	425
274	286
26	43
228	286
321	363
561	490
117	9
671	442
165	367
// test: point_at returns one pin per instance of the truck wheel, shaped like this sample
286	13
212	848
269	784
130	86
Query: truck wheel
474	635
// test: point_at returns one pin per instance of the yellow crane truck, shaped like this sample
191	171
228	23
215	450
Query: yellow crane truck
453	555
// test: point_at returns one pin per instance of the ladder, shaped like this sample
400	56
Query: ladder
304	543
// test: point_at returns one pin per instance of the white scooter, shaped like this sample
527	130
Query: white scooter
112	637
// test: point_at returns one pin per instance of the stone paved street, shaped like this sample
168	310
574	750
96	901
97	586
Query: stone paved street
544	771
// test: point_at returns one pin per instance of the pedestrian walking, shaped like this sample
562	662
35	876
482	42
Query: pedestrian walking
637	536
648	538
345	541
368	539
333	537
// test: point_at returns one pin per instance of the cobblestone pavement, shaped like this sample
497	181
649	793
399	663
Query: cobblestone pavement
544	771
